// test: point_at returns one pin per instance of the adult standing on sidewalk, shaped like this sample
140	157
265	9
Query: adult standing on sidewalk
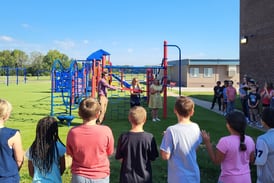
102	95
218	90
231	97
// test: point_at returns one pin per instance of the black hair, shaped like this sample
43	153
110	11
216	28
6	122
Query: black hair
237	122
104	73
43	149
268	117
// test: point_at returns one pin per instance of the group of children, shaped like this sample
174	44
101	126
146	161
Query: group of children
254	100
90	146
225	95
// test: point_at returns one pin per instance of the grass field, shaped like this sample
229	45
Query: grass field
31	102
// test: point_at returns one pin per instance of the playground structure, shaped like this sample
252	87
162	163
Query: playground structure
71	85
17	72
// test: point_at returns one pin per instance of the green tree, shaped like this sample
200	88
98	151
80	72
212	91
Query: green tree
53	55
20	58
36	63
6	59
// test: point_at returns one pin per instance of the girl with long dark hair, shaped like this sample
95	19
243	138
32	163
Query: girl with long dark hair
47	153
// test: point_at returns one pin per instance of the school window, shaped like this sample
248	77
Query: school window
208	72
194	72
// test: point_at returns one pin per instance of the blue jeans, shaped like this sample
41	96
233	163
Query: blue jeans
230	106
80	179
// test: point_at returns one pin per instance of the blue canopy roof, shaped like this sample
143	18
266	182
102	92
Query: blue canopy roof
97	55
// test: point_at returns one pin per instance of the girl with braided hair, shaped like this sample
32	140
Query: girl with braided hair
234	152
47	153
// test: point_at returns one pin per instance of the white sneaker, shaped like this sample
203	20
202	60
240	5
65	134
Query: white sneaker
158	119
154	120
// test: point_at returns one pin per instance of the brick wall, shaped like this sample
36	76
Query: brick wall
257	23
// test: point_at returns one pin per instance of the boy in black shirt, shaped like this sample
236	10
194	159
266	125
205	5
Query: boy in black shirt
136	149
218	90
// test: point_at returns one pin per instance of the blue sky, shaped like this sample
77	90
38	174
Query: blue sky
133	32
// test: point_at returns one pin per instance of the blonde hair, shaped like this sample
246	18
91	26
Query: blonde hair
135	81
137	115
5	108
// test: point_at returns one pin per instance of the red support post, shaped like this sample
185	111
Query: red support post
165	81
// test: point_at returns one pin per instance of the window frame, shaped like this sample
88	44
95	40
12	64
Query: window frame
194	72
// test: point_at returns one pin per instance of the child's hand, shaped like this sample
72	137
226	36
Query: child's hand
206	136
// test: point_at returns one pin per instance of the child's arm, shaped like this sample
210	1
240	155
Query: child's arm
17	147
217	157
252	157
270	94
248	103
165	155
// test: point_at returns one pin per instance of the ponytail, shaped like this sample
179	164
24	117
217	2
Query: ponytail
242	142
237	121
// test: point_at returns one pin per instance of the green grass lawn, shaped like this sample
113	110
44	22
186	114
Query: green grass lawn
31	102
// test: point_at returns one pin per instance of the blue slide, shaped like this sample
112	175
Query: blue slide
126	84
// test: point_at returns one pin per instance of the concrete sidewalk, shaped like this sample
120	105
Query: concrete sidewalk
207	105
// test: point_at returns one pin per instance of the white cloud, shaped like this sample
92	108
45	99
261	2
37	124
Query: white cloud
129	50
85	41
26	26
65	44
6	38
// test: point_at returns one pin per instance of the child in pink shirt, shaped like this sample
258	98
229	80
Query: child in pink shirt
233	152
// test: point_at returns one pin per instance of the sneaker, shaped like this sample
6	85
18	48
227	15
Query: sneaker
154	120
157	119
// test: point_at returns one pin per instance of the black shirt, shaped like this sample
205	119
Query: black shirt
137	151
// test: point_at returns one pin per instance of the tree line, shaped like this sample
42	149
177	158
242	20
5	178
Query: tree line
38	64
34	63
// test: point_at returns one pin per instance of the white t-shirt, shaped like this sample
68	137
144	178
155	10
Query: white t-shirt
265	157
182	141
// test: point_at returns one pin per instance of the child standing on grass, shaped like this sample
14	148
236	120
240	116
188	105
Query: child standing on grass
136	149
135	90
47	153
180	143
11	150
265	149
90	145
233	152
253	105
